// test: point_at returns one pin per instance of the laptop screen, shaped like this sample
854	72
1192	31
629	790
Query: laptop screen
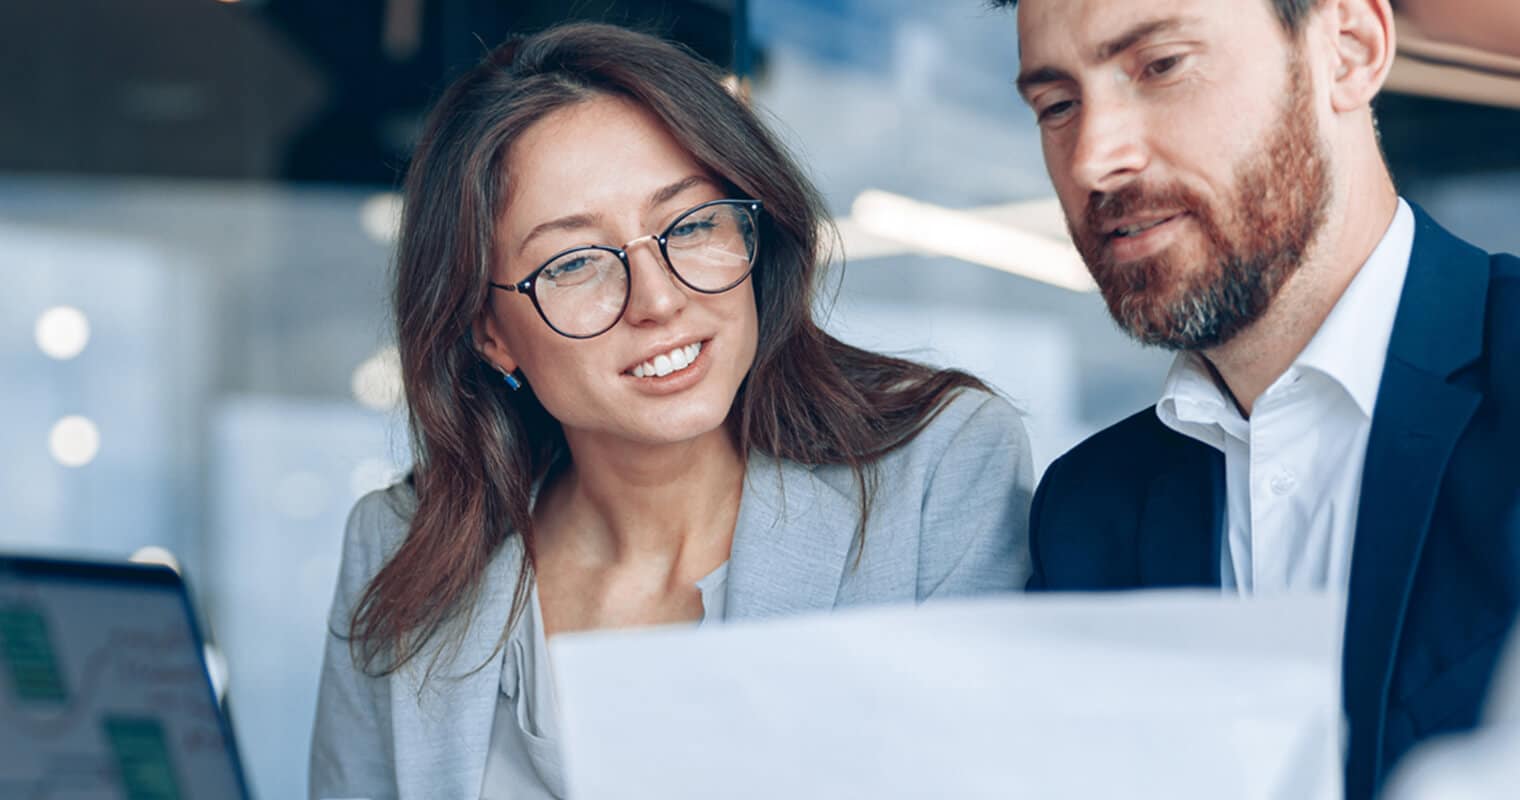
103	688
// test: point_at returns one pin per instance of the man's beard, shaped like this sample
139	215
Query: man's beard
1250	250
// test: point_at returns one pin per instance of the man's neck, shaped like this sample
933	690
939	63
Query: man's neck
1255	358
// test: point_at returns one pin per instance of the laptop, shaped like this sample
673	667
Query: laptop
104	691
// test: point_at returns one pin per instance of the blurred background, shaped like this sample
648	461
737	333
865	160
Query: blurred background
196	213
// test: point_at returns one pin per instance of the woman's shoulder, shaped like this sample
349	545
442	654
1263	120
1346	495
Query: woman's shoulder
973	420
378	522
377	525
973	426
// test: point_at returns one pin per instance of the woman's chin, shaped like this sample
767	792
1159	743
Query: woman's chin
675	426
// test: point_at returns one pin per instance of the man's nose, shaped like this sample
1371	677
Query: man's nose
1110	148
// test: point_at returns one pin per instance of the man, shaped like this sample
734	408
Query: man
1344	409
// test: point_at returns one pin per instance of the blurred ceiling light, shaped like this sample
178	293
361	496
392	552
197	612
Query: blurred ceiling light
1029	252
380	217
857	243
1043	217
62	332
153	554
74	441
376	383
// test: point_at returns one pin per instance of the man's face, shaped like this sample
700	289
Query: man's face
1182	139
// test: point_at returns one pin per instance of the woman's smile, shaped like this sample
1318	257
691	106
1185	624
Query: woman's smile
672	371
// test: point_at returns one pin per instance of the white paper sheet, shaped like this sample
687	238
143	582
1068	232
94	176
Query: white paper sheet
1137	695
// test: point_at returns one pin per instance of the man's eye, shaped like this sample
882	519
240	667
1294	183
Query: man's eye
1056	110
1162	66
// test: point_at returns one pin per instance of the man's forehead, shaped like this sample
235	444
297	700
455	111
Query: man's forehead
1080	28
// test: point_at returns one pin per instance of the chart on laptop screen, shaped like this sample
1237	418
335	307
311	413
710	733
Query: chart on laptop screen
103	694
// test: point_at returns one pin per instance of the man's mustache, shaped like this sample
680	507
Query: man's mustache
1106	208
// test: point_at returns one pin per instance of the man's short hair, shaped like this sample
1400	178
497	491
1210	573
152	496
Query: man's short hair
1291	13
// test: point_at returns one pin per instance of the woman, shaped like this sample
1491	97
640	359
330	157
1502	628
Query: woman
624	414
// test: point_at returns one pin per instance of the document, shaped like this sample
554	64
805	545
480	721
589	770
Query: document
1137	695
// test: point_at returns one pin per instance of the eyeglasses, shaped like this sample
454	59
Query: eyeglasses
582	292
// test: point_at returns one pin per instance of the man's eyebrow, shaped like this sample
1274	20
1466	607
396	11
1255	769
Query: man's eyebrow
1039	76
1138	34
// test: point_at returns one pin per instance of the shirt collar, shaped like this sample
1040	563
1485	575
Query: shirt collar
1193	405
1351	346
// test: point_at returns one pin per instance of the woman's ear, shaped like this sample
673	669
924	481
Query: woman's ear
1363	51
490	343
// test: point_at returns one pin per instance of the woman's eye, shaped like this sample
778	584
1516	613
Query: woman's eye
692	227
1162	66
569	270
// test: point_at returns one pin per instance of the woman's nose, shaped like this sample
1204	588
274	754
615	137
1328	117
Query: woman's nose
655	294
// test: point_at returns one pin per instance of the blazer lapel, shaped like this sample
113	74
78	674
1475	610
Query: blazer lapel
442	728
792	541
1419	416
1182	521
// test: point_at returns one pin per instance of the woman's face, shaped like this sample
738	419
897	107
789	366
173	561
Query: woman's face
606	172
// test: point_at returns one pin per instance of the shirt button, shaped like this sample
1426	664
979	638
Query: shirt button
1284	482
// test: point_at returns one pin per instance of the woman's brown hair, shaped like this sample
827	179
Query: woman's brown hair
479	447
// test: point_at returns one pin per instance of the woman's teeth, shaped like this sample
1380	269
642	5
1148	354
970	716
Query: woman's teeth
666	363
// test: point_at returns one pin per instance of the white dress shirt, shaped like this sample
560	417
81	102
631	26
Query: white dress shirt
1293	471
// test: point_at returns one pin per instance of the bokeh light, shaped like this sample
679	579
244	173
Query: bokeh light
74	441
62	332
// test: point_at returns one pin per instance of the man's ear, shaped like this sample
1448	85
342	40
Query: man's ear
490	343
1362	53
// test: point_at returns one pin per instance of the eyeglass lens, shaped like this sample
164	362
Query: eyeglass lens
710	248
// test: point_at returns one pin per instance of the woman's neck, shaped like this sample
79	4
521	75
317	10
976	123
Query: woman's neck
621	502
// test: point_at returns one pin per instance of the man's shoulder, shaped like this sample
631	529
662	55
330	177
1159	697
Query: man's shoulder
1502	334
1504	289
1504	268
1506	265
1140	432
1124	453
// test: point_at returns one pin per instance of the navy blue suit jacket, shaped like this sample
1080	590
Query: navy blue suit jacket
1433	570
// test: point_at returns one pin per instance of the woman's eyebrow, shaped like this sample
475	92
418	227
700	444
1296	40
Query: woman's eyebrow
580	221
570	223
667	193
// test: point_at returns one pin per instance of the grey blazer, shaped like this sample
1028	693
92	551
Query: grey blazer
949	518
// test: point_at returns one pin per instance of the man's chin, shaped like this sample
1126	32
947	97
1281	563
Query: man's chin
1177	322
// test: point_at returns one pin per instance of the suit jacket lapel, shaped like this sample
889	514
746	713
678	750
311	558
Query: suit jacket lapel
792	541
1419	415
442	730
1182	521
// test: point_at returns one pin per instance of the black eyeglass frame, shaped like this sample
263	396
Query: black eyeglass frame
527	286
